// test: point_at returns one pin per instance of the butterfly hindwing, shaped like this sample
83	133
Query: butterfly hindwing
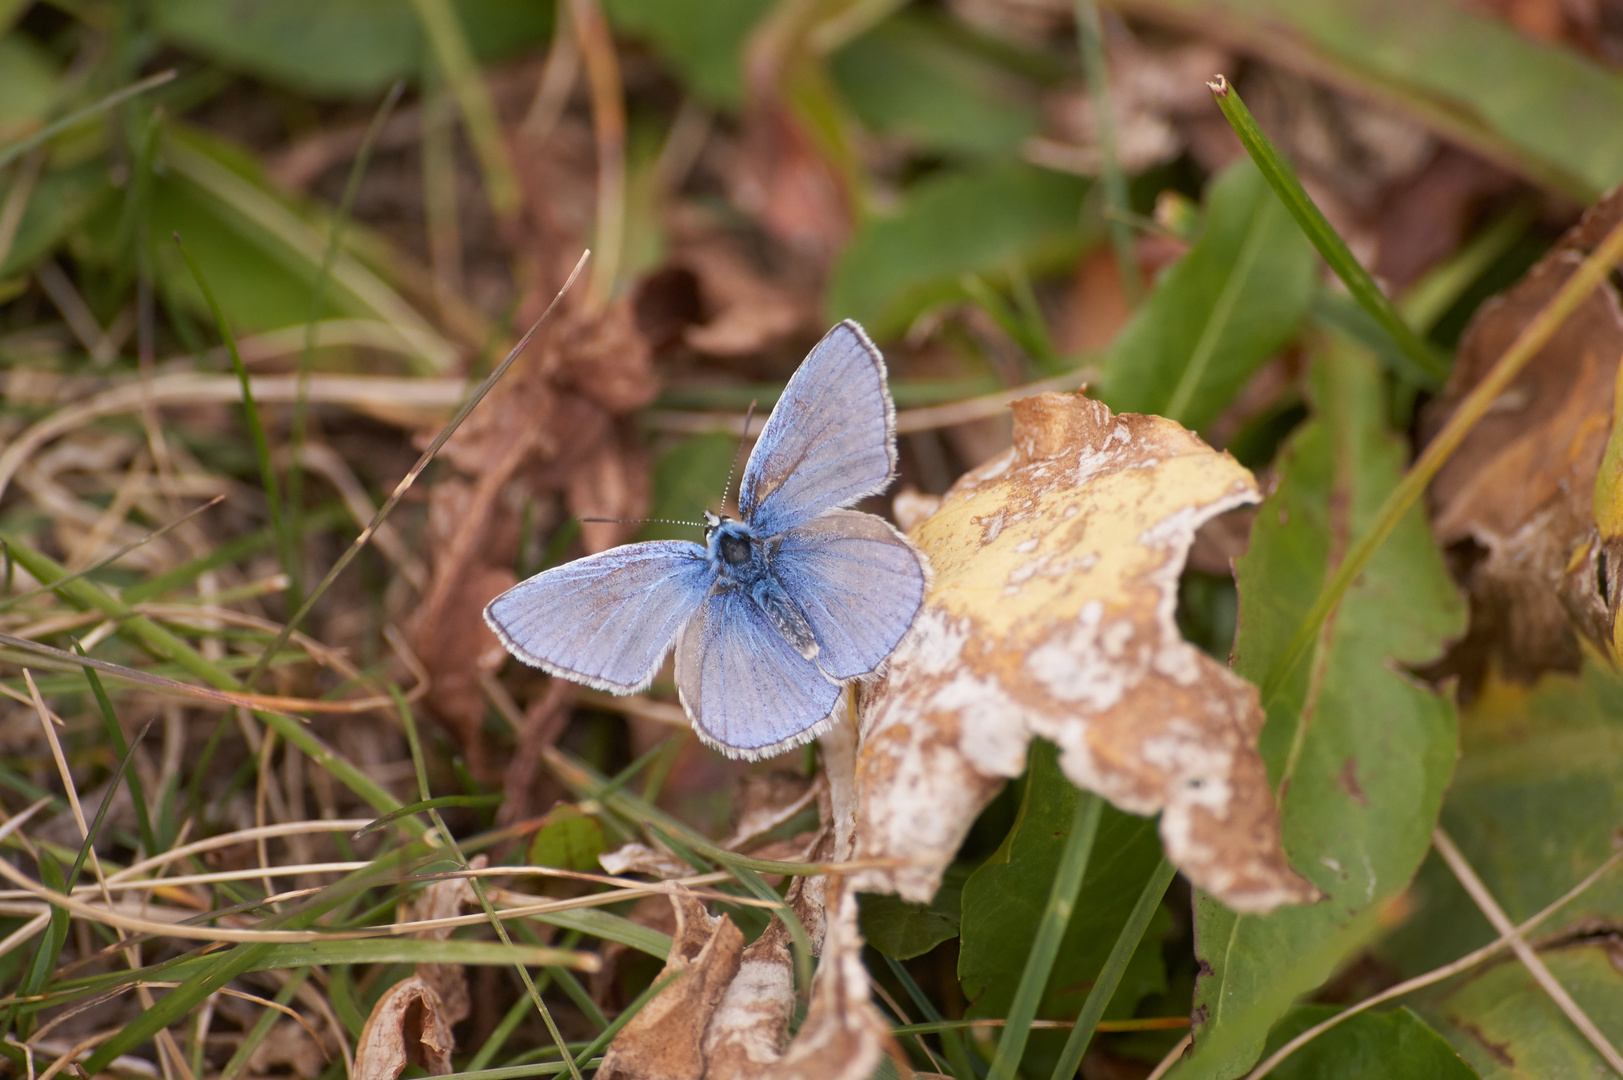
606	620
746	689
858	582
829	440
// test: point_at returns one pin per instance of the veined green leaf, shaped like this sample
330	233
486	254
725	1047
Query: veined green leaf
1004	899
1362	750
339	48
1395	1045
1549	111
971	222
1220	312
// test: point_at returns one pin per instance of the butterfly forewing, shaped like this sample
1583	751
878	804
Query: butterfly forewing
859	584
747	690
606	620
829	439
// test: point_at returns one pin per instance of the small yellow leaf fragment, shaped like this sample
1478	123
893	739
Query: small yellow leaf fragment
1051	614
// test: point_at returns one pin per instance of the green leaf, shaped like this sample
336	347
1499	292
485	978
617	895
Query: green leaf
1220	312
1395	1045
976	221
917	76
28	86
338	48
1506	1026
702	40
1365	769
569	839
1547	109
1003	901
688	479
1535	801
59	203
902	930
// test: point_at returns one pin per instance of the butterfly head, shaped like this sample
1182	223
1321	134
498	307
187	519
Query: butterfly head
729	540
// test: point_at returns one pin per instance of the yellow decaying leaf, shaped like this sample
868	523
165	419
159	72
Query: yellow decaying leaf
1051	614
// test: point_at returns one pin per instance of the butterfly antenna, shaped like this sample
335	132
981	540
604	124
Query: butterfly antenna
733	468
644	521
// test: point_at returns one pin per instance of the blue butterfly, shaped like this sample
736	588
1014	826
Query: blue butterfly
776	611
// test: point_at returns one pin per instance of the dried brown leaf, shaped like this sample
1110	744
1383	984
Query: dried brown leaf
844	1036
408	1026
748	1030
1515	501
550	436
1051	615
638	858
665	1040
443	900
765	801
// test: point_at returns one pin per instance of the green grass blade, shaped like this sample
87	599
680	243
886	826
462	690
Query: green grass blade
597	1045
318	296
952	1043
94	829
51	131
1104	987
424	805
1313	224
1073	867
262	1027
611	927
147	634
1533	337
1090	41
115	736
13	601
443	29
256	427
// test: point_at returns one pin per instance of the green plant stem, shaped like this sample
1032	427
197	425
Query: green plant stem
50	131
1533	337
1073	867
443	29
1104	987
285	549
1090	40
297	426
1283	180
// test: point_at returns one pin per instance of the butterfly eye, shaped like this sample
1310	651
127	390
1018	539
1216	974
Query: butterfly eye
735	549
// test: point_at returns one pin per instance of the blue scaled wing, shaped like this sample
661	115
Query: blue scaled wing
746	689
829	441
606	620
858	582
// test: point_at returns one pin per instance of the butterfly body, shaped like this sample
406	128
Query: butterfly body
779	608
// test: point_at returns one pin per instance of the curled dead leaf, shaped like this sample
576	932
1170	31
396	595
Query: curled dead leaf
550	437
844	1035
637	858
408	1026
665	1040
1051	615
443	900
1515	503
412	1021
764	802
751	1022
